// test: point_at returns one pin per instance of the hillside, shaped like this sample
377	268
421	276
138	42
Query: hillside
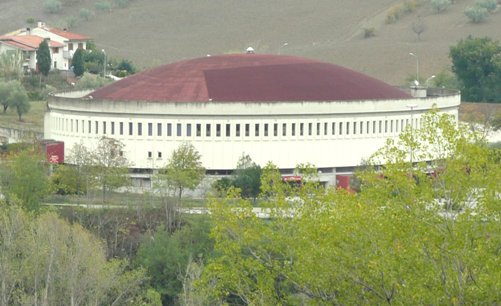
152	32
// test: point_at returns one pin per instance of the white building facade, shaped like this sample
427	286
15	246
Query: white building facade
335	136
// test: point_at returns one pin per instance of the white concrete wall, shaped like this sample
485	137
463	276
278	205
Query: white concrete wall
69	119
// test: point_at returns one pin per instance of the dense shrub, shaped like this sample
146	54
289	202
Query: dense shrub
489	5
440	5
104	6
52	6
369	32
476	14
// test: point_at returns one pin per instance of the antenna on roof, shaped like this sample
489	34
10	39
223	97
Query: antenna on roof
249	50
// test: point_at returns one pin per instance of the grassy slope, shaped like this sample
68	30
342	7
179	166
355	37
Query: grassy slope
33	120
152	32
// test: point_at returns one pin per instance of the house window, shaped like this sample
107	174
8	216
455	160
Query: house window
228	130
55	50
275	129
188	129
293	129
70	46
318	128
326	127
340	128
159	155
367	131
218	130
284	129
380	126
80	45
207	130
237	130
169	129
113	128
150	154
150	129
89	127
310	128
96	125
266	129
159	129
198	130
179	130
121	127
139	129
333	128
247	130
104	127
131	128
256	130
301	129
347	128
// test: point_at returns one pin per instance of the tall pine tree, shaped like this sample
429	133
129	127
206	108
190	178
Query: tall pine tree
43	57
78	62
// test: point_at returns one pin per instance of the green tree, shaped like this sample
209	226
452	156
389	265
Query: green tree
43	57
109	166
4	94
18	99
78	62
184	170
477	65
415	234
476	14
11	65
44	260
247	177
26	181
440	5
166	256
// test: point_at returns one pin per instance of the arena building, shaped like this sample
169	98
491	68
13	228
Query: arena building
283	109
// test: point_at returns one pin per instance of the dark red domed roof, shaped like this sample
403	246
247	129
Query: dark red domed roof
248	77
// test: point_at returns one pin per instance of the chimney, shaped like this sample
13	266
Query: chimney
41	24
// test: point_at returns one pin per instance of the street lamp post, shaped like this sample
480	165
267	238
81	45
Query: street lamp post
411	151
417	66
104	66
428	79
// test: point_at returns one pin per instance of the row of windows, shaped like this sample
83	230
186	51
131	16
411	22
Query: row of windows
237	129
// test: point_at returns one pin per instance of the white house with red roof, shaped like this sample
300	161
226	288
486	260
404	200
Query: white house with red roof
62	44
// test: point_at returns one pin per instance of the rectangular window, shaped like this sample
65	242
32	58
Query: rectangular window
318	128
198	128
228	130
159	155
386	126
139	129
310	128
188	129
380	126
70	46
347	128
218	130
391	126
333	128
121	127
373	127
80	45
113	128
326	127
402	124
169	129
266	129
354	128
256	130
150	129
96	127
71	124
275	129
340	128
131	128
159	129
367	126
55	50
104	127
207	130
301	129
150	154
284	129
293	129
179	130
247	129
237	131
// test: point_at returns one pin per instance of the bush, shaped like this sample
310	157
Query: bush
104	6
89	81
121	3
369	32
394	14
440	5
476	14
489	5
86	14
52	6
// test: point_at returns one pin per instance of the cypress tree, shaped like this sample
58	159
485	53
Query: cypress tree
43	58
